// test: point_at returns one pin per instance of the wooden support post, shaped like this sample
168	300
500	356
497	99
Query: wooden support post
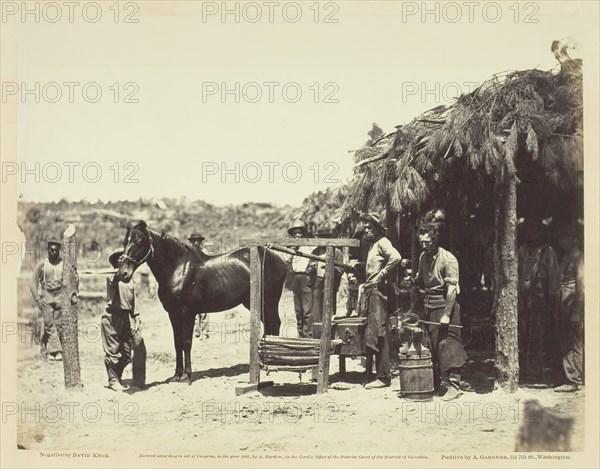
325	346
256	307
256	300
69	300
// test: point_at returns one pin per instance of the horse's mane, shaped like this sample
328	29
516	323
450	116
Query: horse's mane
175	247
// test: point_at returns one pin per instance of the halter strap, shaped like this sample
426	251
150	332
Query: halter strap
149	254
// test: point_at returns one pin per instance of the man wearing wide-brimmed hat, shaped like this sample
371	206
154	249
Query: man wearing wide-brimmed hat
316	274
197	239
382	261
121	331
301	291
45	287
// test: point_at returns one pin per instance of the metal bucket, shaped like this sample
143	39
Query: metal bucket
416	376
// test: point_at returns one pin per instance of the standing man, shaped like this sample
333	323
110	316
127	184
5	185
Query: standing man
571	309
48	275
201	328
382	260
301	291
539	282
316	276
438	277
121	331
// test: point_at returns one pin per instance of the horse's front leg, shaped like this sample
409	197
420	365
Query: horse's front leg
187	333
176	325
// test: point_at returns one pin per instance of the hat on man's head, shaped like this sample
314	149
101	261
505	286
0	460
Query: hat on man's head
374	218
196	236
114	257
297	225
53	242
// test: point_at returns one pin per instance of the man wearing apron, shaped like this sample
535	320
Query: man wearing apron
382	260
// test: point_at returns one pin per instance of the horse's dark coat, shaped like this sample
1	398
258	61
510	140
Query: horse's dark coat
190	283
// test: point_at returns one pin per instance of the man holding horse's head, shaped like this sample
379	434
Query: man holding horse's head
121	331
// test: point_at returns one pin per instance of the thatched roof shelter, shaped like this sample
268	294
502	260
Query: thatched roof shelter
527	123
511	148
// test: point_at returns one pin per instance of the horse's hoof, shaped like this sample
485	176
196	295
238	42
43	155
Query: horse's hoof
174	378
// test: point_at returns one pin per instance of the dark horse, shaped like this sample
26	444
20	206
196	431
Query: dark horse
191	283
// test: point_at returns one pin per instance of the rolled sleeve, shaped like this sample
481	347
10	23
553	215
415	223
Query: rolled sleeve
451	273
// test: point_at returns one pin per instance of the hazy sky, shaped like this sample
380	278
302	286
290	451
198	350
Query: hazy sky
376	64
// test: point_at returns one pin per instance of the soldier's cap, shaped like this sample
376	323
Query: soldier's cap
297	225
53	242
373	218
195	235
114	257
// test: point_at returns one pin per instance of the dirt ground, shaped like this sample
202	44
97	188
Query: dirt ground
207	417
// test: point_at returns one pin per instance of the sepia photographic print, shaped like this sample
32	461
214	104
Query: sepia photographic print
309	233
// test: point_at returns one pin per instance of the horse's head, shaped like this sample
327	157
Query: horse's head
138	249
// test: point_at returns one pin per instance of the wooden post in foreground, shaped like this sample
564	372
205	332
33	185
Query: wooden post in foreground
325	345
69	300
255	311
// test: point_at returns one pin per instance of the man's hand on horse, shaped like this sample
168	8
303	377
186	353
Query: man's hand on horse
445	320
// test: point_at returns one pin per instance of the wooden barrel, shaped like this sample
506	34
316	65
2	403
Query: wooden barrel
416	377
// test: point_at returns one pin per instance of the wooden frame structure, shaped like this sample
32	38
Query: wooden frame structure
256	301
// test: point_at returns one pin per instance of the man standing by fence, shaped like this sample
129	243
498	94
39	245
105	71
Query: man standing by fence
48	275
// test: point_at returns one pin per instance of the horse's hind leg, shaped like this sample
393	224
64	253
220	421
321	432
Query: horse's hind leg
187	335
176	325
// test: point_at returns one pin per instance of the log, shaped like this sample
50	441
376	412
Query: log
69	300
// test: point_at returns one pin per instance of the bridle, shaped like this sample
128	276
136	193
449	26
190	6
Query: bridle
149	254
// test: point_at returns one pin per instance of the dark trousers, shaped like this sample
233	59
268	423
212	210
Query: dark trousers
377	335
318	297
116	341
447	352
302	304
382	360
